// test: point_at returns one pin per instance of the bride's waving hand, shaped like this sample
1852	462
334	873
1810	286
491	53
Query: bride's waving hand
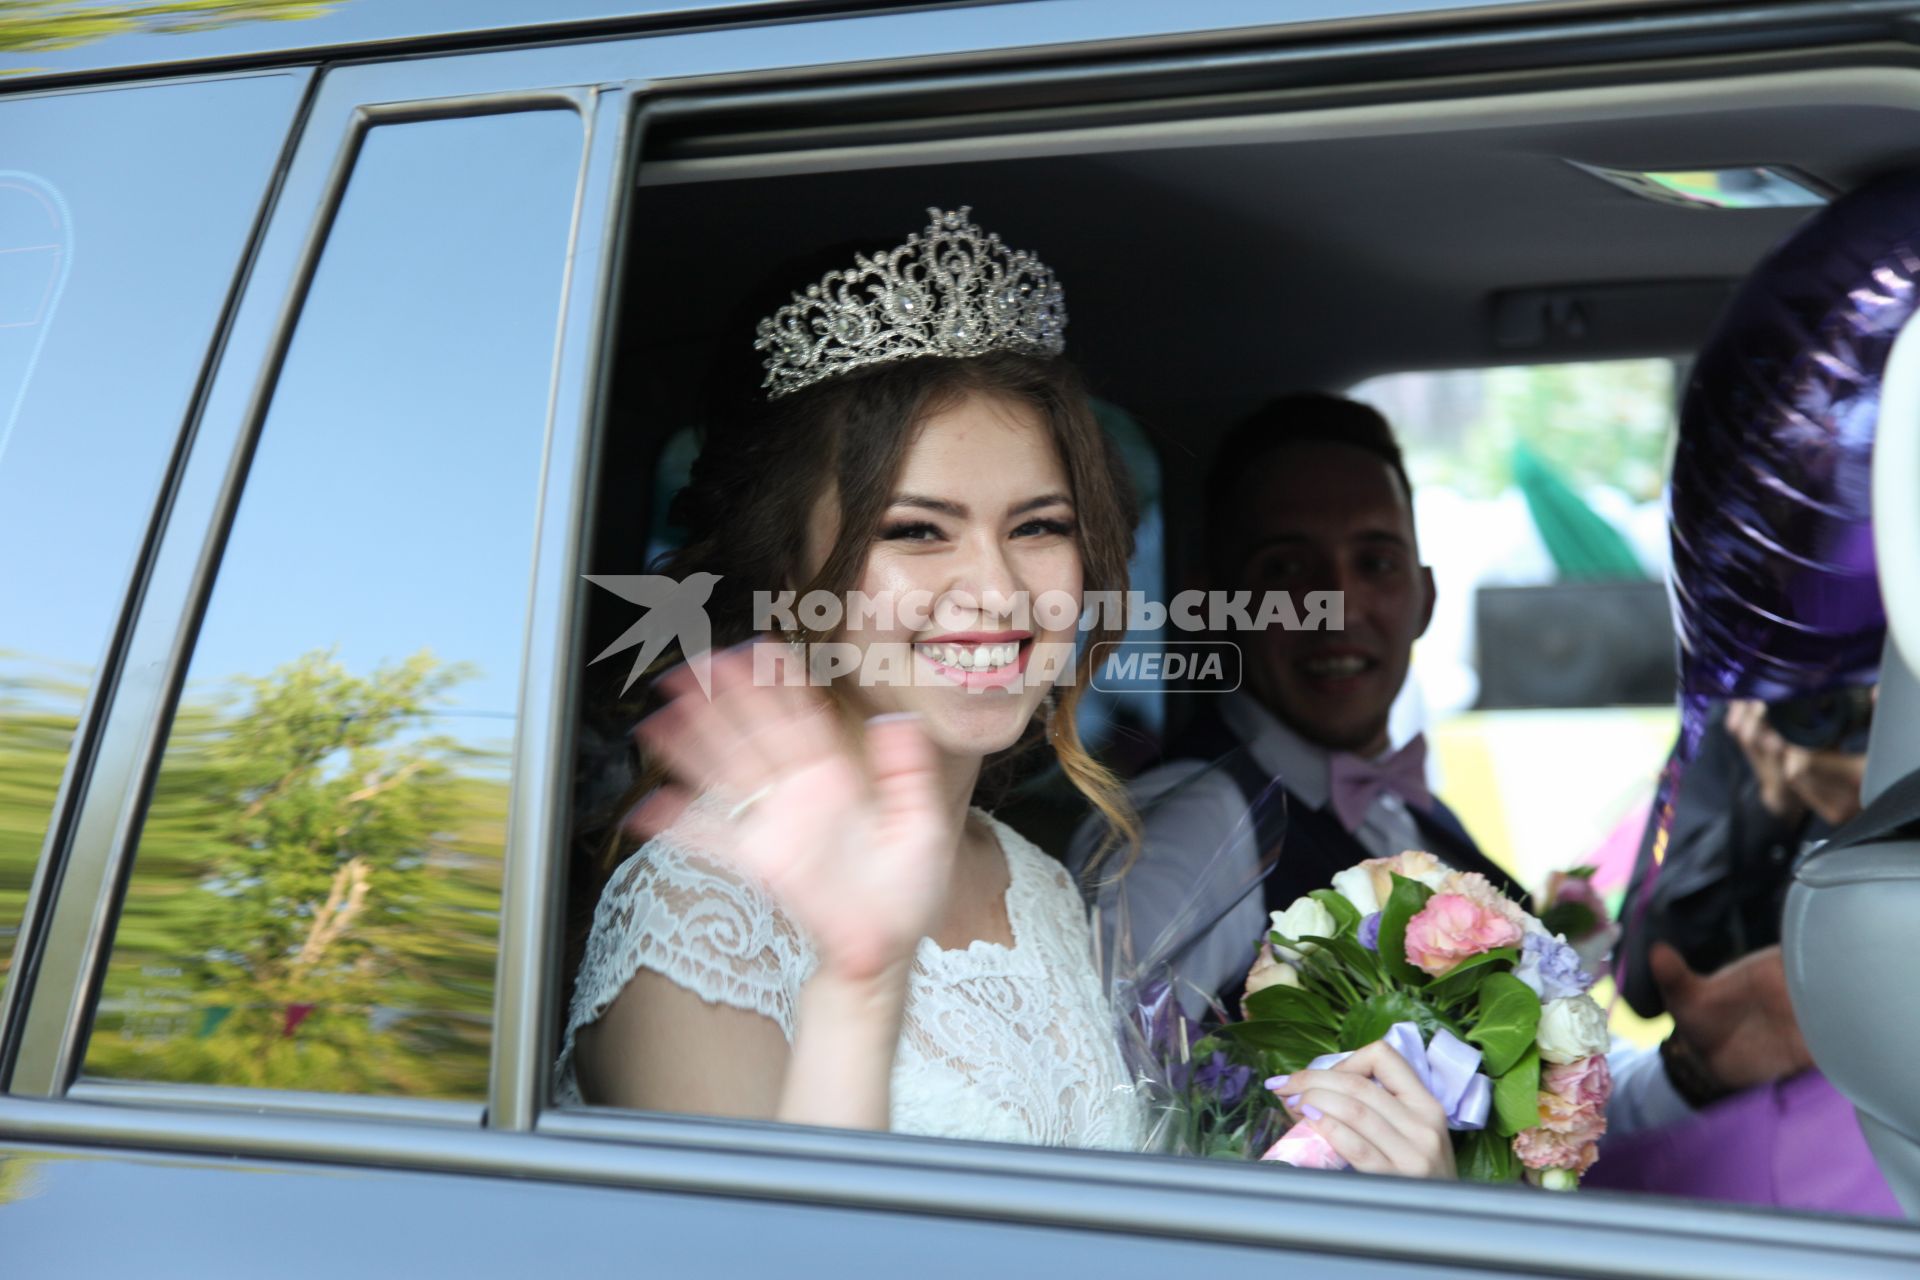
850	840
855	844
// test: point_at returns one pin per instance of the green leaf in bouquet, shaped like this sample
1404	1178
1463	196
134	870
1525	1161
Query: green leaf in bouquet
1346	916
1291	1004
1486	1156
1371	1018
1291	1045
1406	902
1358	966
1516	1096
1464	979
1508	1019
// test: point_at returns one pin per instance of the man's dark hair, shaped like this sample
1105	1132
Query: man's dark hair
1305	417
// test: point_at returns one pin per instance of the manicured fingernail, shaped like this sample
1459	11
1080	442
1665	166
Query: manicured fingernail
1276	1083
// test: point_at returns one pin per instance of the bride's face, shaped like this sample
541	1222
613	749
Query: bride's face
979	555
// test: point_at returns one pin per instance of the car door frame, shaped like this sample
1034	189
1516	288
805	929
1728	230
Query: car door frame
514	1136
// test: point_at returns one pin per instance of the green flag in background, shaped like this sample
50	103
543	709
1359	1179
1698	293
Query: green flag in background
1585	548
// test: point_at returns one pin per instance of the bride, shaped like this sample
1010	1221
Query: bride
823	928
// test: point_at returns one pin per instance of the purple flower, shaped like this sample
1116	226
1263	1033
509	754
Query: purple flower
1225	1081
1370	932
1551	968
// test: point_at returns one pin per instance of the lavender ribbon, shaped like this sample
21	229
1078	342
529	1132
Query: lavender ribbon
1448	1068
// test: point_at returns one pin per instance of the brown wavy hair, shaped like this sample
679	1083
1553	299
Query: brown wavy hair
763	466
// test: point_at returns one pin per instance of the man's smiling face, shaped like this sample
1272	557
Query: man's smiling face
1332	517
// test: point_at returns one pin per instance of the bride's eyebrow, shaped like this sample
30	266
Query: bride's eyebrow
946	506
1044	500
942	505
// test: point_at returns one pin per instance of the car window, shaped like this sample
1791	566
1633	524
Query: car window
123	217
1538	494
314	898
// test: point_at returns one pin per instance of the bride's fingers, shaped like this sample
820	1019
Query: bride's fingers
1372	1142
903	765
775	727
709	736
684	737
1419	1112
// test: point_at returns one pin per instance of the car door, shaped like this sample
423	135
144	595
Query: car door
379	506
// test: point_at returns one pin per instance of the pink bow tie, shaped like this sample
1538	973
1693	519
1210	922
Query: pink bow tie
1355	783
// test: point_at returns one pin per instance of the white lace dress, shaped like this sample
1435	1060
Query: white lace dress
1010	1044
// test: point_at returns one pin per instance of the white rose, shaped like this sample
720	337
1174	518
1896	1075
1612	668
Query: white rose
1305	917
1268	972
1355	884
1571	1029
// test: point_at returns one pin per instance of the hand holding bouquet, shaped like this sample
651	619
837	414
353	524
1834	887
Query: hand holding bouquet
1489	1009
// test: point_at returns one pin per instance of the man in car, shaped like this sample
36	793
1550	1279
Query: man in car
1311	494
1308	494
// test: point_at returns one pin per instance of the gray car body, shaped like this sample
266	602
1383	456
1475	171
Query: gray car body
104	1179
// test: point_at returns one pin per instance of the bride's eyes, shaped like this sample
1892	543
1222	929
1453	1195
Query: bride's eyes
925	531
910	531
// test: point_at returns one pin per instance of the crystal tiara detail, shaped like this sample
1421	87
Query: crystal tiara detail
951	290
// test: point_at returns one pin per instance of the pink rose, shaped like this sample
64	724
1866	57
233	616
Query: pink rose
1476	887
1573	1116
1452	927
1544	1149
1585	1083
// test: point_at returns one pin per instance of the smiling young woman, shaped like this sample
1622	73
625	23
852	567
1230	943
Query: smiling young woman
823	928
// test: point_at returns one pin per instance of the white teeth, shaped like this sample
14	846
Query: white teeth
1336	667
985	657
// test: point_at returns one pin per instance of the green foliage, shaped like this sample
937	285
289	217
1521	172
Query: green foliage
1509	1017
1373	1017
32	25
39	712
1463	980
314	903
1516	1095
1596	423
1291	1004
1403	904
1486	1156
1276	1046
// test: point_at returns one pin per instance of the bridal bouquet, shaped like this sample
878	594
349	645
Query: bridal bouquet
1489	1008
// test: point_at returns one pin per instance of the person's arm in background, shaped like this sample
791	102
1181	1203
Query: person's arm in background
1736	828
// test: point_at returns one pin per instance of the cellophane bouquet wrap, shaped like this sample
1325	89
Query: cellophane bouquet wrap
1489	1008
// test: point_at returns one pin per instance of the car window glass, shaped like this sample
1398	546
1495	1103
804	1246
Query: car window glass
123	217
314	901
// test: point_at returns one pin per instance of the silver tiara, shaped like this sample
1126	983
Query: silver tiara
951	290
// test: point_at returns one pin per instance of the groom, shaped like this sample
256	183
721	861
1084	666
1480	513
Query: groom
1309	494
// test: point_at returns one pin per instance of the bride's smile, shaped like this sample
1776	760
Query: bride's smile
980	524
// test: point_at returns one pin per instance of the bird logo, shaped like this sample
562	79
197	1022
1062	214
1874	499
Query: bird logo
676	610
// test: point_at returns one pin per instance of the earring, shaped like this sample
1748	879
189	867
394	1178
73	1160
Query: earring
1048	705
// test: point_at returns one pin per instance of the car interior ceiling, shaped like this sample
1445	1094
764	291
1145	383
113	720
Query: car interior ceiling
1277	265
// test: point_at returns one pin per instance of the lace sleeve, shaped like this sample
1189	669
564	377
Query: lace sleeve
697	922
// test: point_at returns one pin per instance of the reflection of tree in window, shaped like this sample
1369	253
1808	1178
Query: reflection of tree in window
68	25
318	908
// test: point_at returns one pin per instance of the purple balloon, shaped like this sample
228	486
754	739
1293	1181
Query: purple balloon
1774	589
1773	571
